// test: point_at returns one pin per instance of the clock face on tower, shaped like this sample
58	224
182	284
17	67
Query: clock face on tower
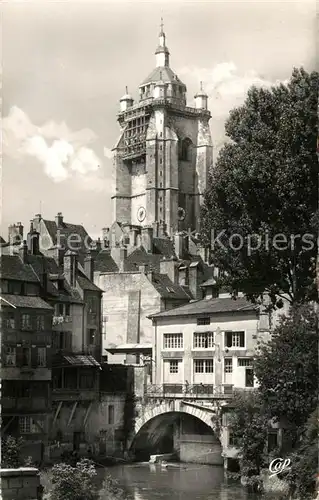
141	214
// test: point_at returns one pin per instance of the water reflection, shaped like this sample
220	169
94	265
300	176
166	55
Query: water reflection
188	482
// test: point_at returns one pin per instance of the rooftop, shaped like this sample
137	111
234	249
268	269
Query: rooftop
208	307
25	301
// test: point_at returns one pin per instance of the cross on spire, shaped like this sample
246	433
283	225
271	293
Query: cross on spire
162	26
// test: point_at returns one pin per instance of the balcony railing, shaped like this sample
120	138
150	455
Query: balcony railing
59	320
189	391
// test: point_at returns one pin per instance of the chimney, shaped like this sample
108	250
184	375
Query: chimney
23	251
134	236
33	239
170	267
147	238
106	236
89	266
194	275
59	219
180	245
156	229
98	245
162	229
119	255
15	233
70	267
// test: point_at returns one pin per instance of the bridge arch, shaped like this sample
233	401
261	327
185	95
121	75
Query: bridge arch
149	413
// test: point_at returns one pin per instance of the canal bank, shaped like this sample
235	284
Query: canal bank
144	481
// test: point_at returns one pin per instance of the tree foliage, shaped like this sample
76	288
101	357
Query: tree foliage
74	483
249	425
79	483
11	452
287	367
265	183
304	469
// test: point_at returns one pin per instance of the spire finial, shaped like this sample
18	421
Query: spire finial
201	85
126	90
162	26
160	76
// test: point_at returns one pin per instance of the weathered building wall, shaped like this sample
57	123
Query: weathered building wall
19	484
95	426
122	321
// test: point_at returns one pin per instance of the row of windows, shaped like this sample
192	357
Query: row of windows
23	356
200	366
203	340
207	365
26	321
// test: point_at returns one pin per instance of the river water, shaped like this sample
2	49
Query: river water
143	481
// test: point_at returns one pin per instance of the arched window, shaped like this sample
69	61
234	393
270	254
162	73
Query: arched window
185	149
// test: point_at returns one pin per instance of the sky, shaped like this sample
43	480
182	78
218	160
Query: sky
65	66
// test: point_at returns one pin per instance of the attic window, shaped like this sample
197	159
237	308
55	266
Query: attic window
169	289
203	321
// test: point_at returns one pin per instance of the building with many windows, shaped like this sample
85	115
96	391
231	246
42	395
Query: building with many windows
206	346
26	348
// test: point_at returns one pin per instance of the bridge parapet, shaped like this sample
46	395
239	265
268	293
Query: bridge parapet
193	391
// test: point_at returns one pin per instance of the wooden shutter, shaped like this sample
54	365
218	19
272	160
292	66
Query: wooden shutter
228	339
19	356
34	357
49	356
242	339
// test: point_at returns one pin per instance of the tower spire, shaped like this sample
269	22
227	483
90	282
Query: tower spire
162	27
162	53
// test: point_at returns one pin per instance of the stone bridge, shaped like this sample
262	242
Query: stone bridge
196	439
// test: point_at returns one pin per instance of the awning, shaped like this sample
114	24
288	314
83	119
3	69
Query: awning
130	349
81	360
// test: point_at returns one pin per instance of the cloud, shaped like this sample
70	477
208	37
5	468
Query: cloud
64	154
225	85
108	153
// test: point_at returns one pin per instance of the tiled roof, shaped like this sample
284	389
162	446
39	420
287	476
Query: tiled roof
86	284
104	263
12	268
167	289
163	73
164	246
139	257
2	240
67	229
28	302
209	306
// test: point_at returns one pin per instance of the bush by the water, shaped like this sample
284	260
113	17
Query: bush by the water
79	483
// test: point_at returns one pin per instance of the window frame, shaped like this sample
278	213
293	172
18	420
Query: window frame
233	334
14	355
203	321
173	366
230	365
110	415
203	363
26	326
200	336
179	339
40	358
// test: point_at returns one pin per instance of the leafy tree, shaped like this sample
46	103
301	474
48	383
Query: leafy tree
249	425
304	462
74	483
263	192
11	452
287	367
79	483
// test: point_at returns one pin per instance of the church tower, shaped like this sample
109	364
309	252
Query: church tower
164	153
